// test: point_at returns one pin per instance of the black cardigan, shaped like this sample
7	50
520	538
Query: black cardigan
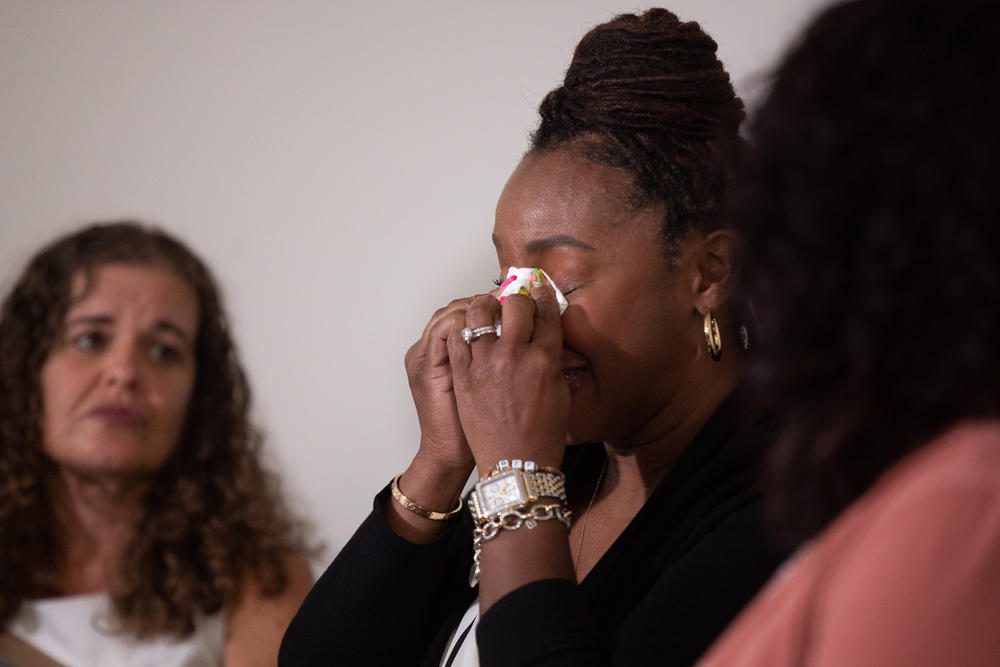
690	559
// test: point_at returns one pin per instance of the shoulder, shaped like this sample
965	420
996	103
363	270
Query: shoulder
907	575
948	486
914	574
967	455
257	622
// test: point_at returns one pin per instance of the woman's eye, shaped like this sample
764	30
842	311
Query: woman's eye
496	281
162	353
89	341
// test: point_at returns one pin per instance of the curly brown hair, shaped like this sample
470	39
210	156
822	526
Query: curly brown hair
213	515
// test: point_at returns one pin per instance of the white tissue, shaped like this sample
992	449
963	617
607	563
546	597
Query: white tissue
521	278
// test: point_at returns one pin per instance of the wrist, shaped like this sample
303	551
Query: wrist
423	501
488	450
487	466
515	493
515	484
434	484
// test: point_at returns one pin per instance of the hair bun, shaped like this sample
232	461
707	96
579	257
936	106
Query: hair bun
647	93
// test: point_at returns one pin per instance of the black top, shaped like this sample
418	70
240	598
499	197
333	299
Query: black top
689	560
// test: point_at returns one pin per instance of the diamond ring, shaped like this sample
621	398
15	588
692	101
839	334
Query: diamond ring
469	335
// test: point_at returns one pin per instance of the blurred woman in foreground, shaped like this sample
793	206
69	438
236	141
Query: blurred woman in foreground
138	526
870	218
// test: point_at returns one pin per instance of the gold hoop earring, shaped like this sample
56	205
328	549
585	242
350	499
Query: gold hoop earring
712	336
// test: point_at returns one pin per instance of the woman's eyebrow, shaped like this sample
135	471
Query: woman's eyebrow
167	325
547	242
105	320
98	320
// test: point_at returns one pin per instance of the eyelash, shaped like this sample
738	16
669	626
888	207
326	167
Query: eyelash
497	282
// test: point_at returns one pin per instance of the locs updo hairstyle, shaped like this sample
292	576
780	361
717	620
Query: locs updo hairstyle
213	516
647	94
869	216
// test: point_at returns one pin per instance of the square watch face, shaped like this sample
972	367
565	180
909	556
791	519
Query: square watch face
501	492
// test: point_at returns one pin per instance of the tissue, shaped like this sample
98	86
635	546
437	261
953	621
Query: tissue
519	281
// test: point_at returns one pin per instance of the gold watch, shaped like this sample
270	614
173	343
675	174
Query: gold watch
514	486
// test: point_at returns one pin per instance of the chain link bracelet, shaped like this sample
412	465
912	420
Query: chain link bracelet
512	520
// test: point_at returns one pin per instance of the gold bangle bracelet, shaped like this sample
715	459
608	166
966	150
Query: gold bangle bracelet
398	496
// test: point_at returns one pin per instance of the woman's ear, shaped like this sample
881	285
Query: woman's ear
716	268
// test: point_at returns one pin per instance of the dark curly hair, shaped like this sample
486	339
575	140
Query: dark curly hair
212	517
646	93
869	213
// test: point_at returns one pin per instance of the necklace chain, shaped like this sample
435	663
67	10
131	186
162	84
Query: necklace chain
586	515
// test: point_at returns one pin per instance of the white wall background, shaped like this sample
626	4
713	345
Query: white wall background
336	163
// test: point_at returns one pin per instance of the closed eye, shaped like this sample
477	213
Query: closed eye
567	292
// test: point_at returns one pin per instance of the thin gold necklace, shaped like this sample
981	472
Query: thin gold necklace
586	516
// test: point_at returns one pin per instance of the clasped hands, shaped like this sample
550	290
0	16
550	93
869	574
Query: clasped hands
494	397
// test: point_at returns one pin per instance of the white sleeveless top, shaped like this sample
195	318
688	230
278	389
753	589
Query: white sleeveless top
77	630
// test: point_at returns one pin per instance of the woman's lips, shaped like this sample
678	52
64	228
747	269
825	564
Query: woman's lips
118	415
574	378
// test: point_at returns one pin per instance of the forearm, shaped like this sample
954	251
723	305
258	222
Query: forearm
545	623
352	614
516	558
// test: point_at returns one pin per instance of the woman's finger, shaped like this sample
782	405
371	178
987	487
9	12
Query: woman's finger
437	336
517	317
547	324
483	311
459	356
458	305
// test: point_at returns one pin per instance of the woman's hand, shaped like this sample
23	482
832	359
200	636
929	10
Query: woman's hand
514	403
511	395
442	441
438	472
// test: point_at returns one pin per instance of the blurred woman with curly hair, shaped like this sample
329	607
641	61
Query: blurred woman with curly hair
138	525
869	214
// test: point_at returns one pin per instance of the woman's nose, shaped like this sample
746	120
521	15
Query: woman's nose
123	365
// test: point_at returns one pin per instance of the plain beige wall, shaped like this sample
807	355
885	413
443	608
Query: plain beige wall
336	163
